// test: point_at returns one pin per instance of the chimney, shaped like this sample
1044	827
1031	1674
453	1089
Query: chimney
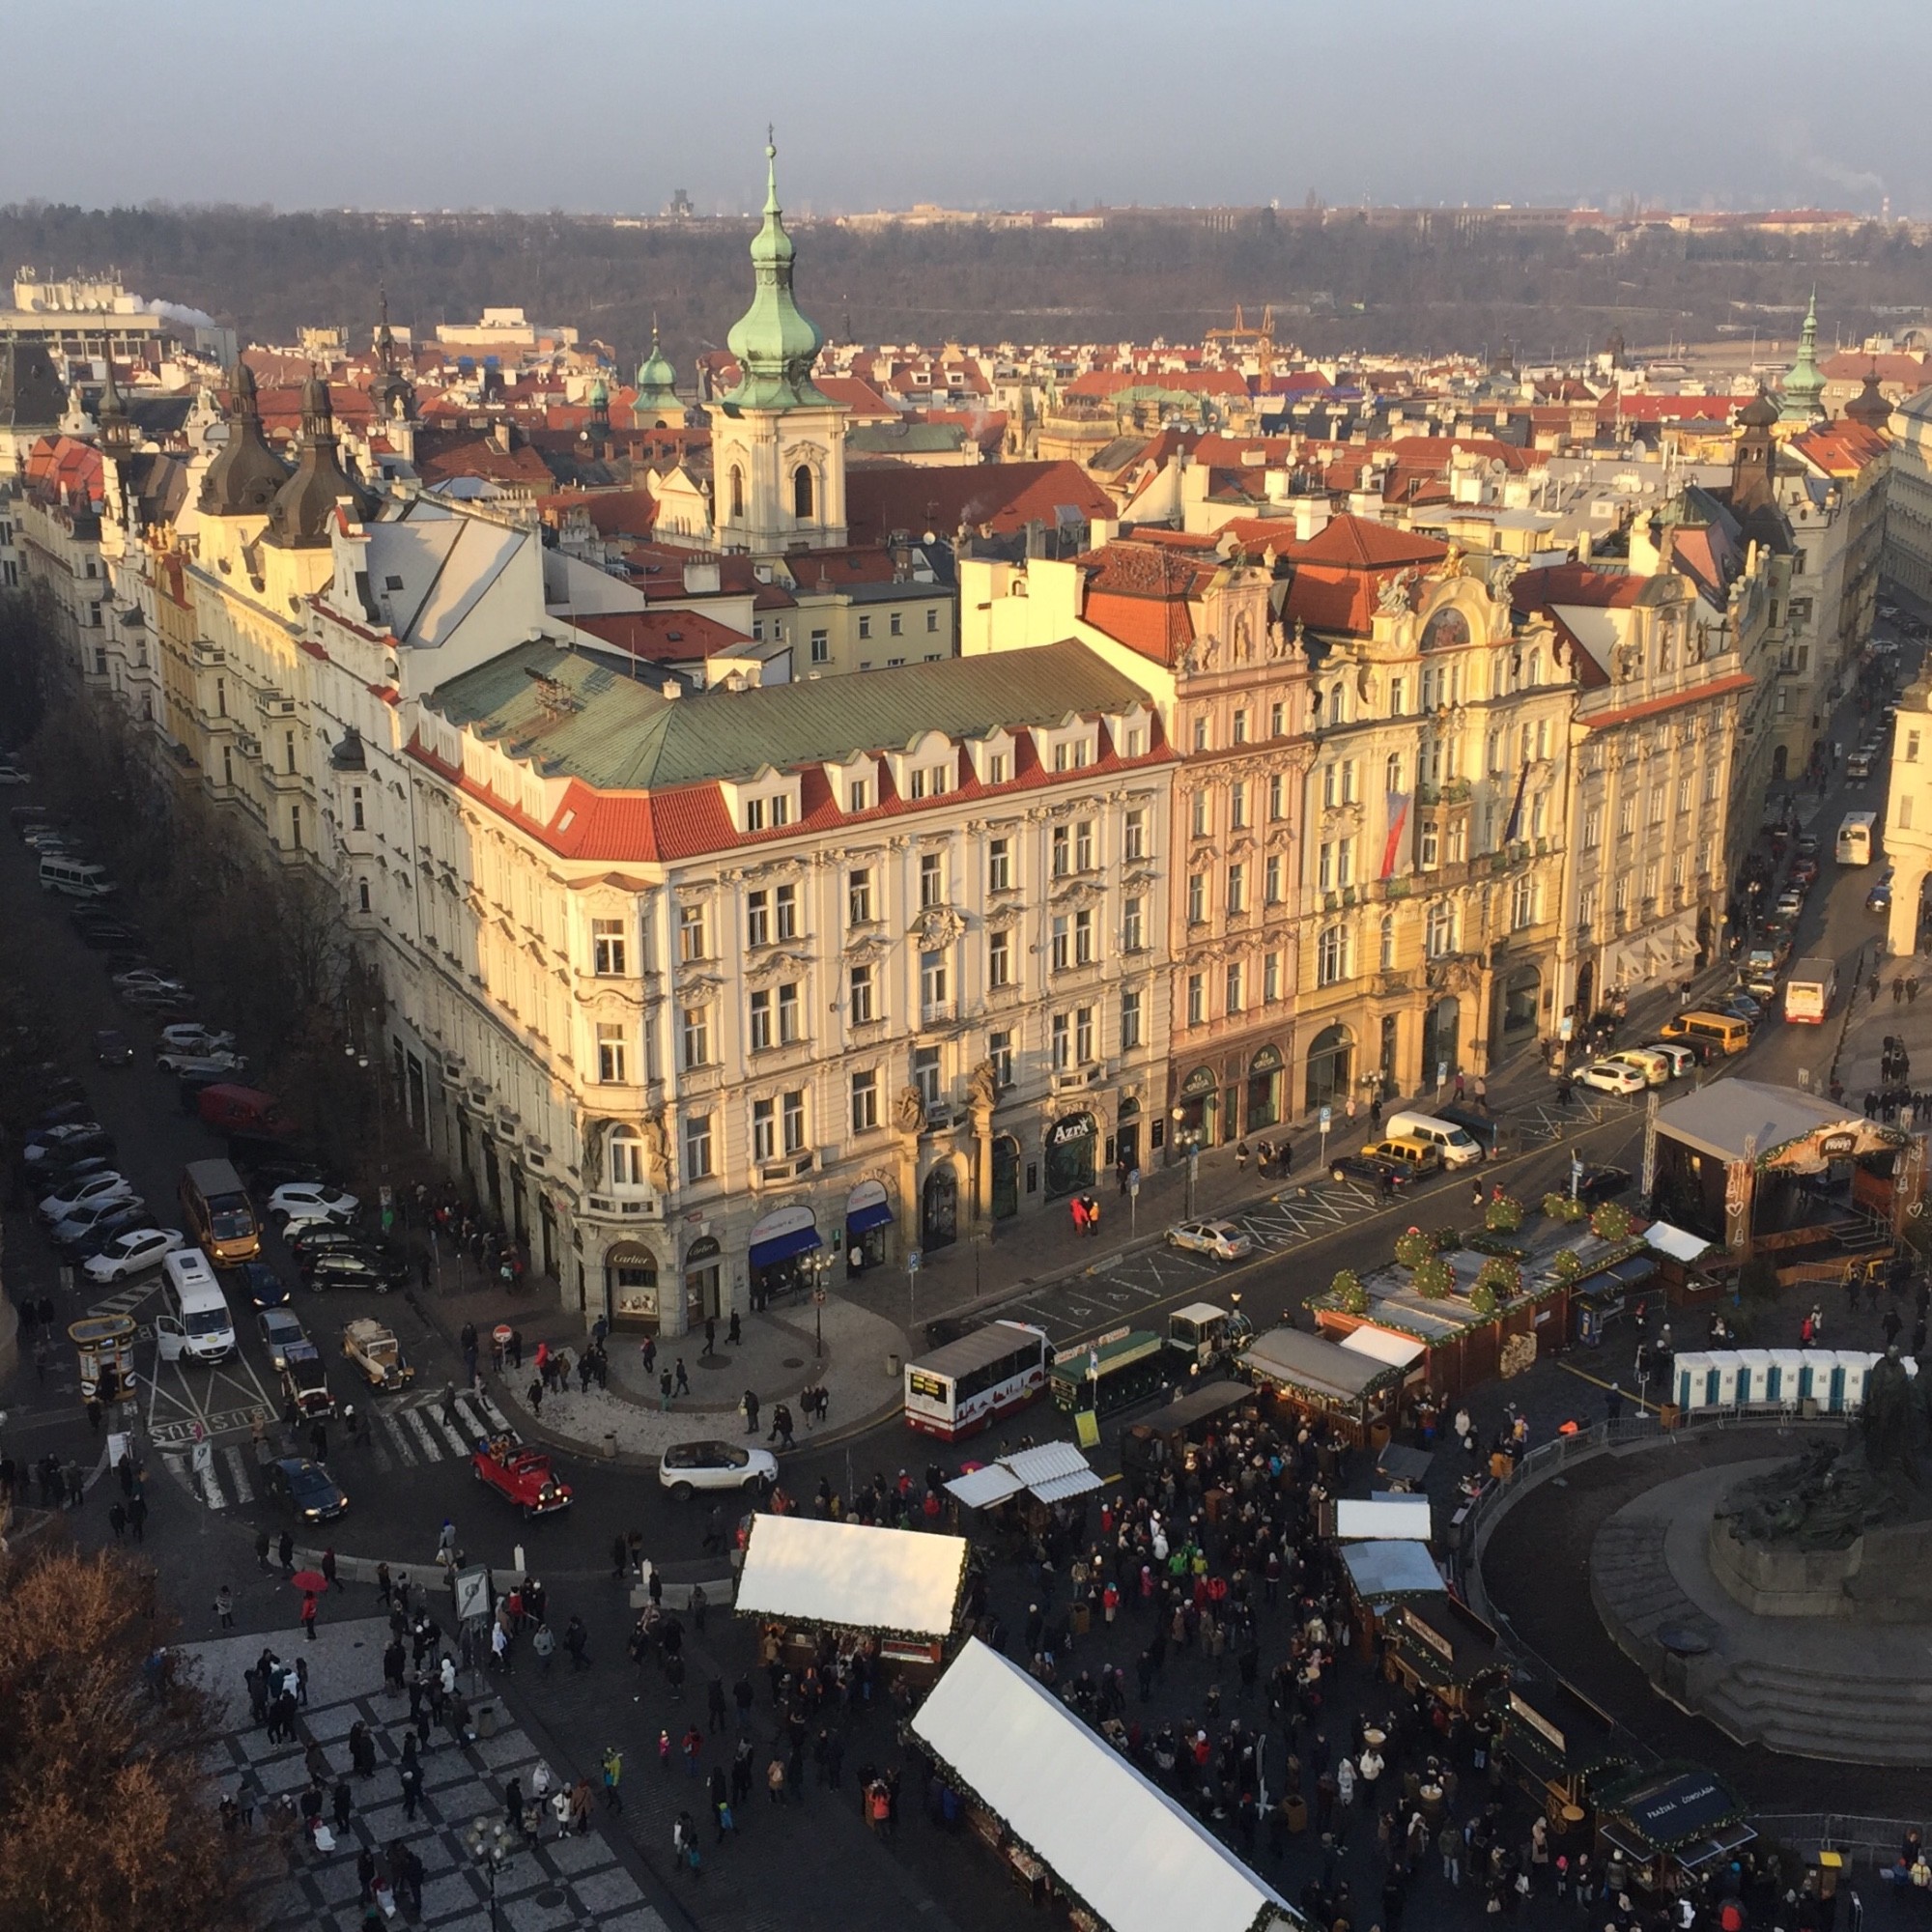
500	436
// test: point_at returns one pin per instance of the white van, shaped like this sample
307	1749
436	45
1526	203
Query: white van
196	1324
77	878
1457	1145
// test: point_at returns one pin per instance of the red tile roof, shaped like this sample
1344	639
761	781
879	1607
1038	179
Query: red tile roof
665	636
1004	498
1842	448
1652	707
613	513
1354	543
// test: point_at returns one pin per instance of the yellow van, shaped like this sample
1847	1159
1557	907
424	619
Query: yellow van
1713	1033
1407	1150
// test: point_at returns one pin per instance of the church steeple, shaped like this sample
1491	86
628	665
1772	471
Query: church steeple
657	401
774	342
245	474
1804	383
298	516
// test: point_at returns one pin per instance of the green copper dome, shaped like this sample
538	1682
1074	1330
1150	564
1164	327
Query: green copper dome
657	379
1804	386
776	345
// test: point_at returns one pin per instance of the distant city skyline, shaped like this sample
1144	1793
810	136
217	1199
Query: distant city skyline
610	109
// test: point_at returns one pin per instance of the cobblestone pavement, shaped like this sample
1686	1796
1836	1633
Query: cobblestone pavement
579	1881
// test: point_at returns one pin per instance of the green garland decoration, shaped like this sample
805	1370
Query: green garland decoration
1349	1294
1433	1279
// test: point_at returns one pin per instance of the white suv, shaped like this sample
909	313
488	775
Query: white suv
689	1467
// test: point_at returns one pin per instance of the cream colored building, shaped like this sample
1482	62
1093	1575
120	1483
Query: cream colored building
1907	831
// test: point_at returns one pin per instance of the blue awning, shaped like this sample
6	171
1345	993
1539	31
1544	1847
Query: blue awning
866	1219
782	1247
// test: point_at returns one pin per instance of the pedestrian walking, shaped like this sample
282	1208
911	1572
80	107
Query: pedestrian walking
710	1336
137	1517
613	1773
534	1395
749	1405
544	1643
224	1604
576	1640
683	1385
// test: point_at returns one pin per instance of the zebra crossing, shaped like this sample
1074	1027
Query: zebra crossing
410	1434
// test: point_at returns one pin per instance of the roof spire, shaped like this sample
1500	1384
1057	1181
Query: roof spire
775	344
1804	382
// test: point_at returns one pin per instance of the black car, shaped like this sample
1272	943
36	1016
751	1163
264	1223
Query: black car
62	1116
355	1267
269	1167
65	1147
1341	1165
305	1489
113	1048
123	1217
1602	1184
106	934
266	1288
314	1237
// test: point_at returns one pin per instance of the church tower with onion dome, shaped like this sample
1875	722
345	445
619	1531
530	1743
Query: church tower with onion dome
777	441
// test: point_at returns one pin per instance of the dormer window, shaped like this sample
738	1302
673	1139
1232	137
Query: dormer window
930	781
1072	755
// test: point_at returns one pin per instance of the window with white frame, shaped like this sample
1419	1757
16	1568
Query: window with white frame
608	947
1438	933
791	1121
1331	955
1083	1036
698	1159
1000	1051
864	1101
859	896
1270	978
625	1157
691	934
1197	899
757	919
1197	999
758	1012
613	1054
926	1073
1385	946
935	982
764	1130
998	865
1062	942
1132	923
1523	903
696	1031
1130	1019
784	912
1060	1037
1000	957
931	879
1134	843
1237	887
859	987
789	1030
1235	987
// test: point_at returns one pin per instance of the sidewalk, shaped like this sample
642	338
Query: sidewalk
775	1358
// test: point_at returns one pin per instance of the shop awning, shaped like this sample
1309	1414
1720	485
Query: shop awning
782	1247
1313	1364
1384	1344
1052	1471
982	1488
1118	1844
863	1220
1676	1242
850	1575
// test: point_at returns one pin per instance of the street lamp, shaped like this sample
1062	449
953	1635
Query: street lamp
488	1842
819	1263
1188	1140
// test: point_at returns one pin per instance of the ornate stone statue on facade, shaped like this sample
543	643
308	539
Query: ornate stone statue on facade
911	1111
1392	600
657	1152
984	1084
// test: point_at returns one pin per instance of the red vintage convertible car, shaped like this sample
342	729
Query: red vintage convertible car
521	1473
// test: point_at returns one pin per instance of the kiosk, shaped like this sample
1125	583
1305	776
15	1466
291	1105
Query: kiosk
1672	1824
1443	1647
823	1588
1320	1378
105	1345
1559	1746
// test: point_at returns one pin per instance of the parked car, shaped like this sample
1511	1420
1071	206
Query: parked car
1803	873
191	1036
1857	767
221	1066
1654	1067
156	999
265	1288
376	1351
305	1201
247	1113
113	1048
13	775
1602	1184
1611	1076
1789	903
1879	898
279	1330
46	1145
1682	1060
1364	1167
313	1237
524	1474
686	1467
90	1231
1806	846
1222	1239
104	935
111	1185
146	979
133	1253
305	1489
355	1267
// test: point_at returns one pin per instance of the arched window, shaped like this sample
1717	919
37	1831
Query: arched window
627	1157
1392	773
801	492
737	493
1338	703
1331	955
1386	956
1535	666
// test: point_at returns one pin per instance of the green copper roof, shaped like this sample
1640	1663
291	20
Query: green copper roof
1803	387
776	344
576	717
657	379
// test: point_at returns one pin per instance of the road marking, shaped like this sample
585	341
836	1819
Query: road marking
432	1451
238	1473
392	1429
458	1444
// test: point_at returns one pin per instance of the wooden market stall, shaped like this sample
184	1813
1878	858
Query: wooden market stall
1168	1437
1559	1747
1439	1645
1672	1824
1317	1378
1383	1577
898	1593
1073	1818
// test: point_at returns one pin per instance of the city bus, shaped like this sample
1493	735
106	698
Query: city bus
1855	837
958	1389
220	1217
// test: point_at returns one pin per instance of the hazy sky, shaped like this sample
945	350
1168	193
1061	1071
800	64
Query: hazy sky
610	105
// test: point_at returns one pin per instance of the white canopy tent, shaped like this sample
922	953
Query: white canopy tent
1402	1518
1121	1846
1052	1471
1384	1344
852	1576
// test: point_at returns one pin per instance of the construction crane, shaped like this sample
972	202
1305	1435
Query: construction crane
1262	337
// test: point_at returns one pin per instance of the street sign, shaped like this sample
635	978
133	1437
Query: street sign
912	1261
1442	1074
1134	1180
1326	1119
472	1592
818	1296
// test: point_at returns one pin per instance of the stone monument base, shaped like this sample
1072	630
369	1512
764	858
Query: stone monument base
1884	1576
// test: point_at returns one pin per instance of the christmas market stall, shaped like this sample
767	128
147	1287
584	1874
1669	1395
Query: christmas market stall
1441	1647
1383	1577
1167	1438
821	1589
1073	1819
1559	1747
1672	1824
1317	1378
